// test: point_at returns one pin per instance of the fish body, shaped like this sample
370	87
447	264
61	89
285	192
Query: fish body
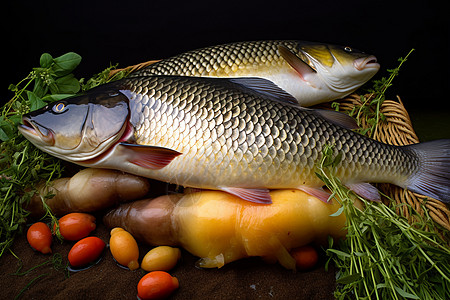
218	134
311	72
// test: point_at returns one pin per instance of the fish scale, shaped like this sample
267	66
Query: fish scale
243	140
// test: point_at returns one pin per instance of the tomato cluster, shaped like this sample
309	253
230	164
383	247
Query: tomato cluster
157	284
72	227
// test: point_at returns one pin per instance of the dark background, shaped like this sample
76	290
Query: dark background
129	32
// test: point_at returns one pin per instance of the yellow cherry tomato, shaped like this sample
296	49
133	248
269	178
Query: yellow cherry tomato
162	258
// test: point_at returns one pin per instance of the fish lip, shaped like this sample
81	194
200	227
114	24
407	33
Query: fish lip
369	62
28	127
31	129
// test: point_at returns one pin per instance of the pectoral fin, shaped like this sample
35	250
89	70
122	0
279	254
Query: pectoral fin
253	195
302	68
149	157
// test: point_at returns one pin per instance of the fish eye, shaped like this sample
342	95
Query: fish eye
348	49
59	107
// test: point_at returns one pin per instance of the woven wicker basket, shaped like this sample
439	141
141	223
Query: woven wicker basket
396	129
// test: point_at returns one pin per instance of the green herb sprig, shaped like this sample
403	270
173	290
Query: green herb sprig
369	111
103	77
55	260
52	81
383	256
22	165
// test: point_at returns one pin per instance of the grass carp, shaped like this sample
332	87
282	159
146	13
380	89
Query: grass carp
215	133
311	72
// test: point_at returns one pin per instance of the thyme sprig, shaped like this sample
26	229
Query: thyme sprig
383	256
369	111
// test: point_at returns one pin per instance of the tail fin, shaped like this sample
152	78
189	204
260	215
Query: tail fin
433	176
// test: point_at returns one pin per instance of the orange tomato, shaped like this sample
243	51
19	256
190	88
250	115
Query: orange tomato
75	226
39	237
85	251
124	248
305	257
156	285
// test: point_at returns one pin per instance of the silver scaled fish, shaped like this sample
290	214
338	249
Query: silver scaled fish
311	72
215	133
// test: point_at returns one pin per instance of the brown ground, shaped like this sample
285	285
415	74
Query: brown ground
244	279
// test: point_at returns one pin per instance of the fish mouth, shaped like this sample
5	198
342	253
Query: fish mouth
32	130
369	62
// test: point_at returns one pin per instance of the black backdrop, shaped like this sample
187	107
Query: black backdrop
129	32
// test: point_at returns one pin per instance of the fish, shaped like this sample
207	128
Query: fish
219	134
311	72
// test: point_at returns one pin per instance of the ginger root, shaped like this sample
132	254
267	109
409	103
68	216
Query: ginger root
221	228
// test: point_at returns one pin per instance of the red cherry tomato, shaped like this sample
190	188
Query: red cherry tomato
39	237
156	285
305	257
75	226
85	251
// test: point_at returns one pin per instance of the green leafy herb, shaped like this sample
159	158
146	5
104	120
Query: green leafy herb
103	77
55	75
22	165
383	256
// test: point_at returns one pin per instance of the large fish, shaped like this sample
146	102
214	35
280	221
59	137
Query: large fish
218	134
311	72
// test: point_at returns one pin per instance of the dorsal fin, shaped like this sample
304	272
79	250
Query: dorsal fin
338	118
269	90
266	88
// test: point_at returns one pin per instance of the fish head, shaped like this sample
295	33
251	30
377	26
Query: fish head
78	128
341	69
